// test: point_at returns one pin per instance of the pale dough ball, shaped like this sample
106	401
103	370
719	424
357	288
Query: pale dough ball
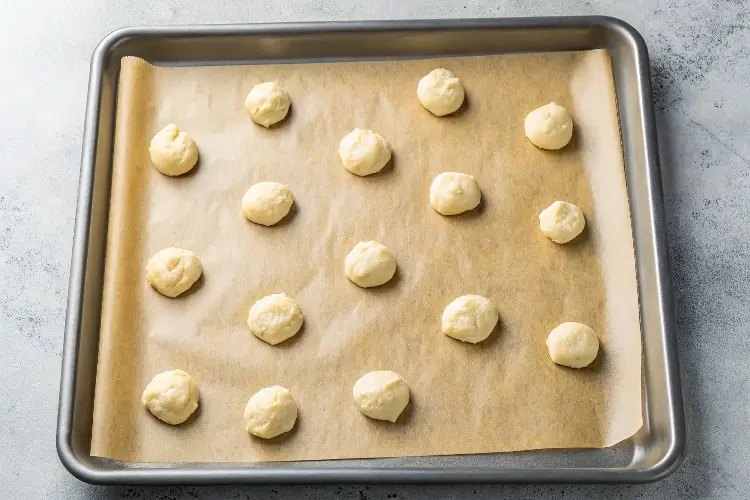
452	193
275	318
173	152
171	396
369	264
267	103
561	221
381	395
267	203
270	412
364	152
549	127
173	271
470	318
573	344
440	92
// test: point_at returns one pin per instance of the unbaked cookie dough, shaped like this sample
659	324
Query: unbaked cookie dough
267	104
171	396
573	344
561	221
173	152
173	271
452	193
369	264
267	203
381	395
440	92
549	127
270	412
470	318
364	152
275	318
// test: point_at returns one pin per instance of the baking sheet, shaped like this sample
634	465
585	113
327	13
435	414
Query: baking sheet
501	395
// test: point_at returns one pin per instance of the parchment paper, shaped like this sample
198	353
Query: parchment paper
504	394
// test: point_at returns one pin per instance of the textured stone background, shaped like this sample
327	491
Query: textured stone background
701	63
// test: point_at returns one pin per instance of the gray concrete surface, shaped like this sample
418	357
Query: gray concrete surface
701	63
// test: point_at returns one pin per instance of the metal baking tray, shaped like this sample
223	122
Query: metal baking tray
653	453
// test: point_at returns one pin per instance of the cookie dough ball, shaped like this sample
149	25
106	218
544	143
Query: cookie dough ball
267	203
470	318
561	221
549	127
171	396
270	412
364	152
369	264
573	344
173	152
275	318
267	104
452	193
381	395
440	92
173	271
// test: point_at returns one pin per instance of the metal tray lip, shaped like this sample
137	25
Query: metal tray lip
74	305
288	28
120	35
666	465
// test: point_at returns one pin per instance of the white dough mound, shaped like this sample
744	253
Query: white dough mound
573	344
173	271
452	193
275	318
171	396
381	395
549	127
267	104
266	203
440	92
173	152
369	264
561	221
270	412
470	318
364	152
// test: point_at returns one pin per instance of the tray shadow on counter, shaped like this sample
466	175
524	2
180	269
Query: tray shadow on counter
688	284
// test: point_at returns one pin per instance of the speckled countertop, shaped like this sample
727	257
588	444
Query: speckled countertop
700	54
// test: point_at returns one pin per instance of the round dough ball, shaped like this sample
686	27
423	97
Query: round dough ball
267	203
171	396
381	395
364	152
267	104
561	221
173	271
452	193
173	152
549	127
573	344
470	318
369	264
270	412
440	92
275	318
